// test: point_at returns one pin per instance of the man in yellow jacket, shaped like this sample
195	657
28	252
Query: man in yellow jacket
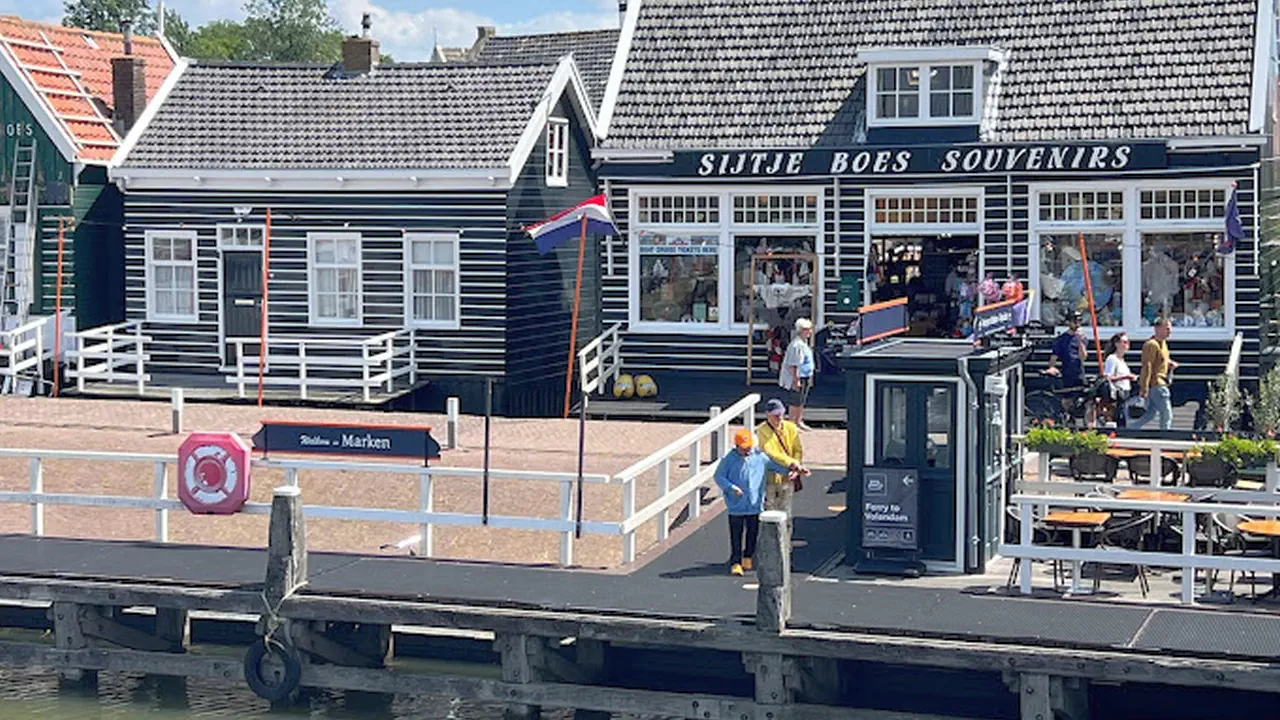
780	440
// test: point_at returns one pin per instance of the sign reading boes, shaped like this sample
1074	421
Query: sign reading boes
889	508
332	439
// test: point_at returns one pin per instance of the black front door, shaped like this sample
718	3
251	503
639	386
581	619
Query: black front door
241	298
914	429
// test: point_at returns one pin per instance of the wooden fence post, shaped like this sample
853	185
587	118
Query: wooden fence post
773	569
286	545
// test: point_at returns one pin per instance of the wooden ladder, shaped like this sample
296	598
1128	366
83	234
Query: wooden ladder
18	248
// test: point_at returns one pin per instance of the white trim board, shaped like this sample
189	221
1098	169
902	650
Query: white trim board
1263	48
267	180
566	76
38	107
611	89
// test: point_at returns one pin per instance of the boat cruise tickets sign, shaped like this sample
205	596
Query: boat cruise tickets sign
962	159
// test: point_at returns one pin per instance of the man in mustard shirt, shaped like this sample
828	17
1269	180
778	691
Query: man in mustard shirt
1155	378
780	440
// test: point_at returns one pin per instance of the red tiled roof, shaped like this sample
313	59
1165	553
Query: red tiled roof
66	64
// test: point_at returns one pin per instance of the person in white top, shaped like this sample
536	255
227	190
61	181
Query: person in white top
1119	377
796	374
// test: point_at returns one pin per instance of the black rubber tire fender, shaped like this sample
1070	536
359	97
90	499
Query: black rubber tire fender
287	655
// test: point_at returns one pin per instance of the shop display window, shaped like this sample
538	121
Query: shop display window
1182	279
782	289
1062	281
679	277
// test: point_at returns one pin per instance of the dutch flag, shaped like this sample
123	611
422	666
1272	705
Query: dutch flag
552	233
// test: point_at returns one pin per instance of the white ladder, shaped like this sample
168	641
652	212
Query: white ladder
17	249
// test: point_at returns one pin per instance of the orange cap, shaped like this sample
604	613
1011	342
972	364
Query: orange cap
743	439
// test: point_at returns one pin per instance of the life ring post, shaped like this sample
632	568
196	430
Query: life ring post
286	545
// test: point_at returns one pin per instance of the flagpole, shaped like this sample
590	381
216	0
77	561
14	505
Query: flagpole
1093	313
573	331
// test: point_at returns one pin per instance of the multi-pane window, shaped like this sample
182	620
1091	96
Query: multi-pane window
1182	204
1062	277
897	92
557	152
1183	279
768	209
171	269
678	209
1084	205
431	263
951	91
335	278
926	209
679	277
241	236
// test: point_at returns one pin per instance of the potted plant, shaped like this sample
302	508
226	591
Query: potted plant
1065	442
1238	452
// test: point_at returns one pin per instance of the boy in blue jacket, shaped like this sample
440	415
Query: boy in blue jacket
740	476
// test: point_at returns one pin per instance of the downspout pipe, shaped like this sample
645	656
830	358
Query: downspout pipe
969	469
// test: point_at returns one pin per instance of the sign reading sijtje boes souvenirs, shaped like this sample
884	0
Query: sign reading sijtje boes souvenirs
966	159
367	440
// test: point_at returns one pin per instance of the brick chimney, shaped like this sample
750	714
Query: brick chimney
360	53
484	32
128	85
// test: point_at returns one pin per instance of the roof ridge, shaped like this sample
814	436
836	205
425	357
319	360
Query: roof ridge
560	33
18	19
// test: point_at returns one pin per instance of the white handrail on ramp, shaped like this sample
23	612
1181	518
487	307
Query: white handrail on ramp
600	361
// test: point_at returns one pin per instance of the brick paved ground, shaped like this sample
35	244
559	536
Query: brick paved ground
548	445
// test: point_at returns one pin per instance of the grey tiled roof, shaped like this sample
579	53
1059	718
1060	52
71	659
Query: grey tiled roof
592	52
302	117
751	73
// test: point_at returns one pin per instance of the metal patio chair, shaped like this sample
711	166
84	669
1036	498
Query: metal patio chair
1139	468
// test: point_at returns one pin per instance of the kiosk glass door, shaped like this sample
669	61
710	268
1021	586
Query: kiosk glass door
915	431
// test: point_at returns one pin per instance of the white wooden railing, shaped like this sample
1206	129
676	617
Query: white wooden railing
1233	360
309	362
1029	507
22	353
600	361
688	445
426	517
111	353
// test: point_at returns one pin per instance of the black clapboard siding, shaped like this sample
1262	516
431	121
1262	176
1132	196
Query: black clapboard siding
540	288
381	219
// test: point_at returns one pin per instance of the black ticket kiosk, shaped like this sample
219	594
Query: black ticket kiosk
931	425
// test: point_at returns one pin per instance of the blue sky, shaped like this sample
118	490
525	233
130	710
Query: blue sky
404	26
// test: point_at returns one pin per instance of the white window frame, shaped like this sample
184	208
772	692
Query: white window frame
232	227
312	286
410	266
1131	230
726	230
557	128
149	273
925	118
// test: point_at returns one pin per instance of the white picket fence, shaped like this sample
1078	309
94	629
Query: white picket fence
22	353
426	517
111	353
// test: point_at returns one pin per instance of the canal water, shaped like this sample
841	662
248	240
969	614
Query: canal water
36	695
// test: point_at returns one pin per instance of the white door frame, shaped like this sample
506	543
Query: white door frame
959	458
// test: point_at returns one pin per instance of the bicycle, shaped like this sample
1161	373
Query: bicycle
1068	407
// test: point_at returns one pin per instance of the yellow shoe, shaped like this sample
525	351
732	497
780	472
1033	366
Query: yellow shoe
746	564
736	569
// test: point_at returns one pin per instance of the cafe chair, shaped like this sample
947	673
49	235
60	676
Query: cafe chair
1231	541
1210	472
1139	468
1040	535
1127	533
1093	467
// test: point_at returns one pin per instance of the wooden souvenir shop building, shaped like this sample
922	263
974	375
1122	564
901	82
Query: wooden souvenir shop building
887	148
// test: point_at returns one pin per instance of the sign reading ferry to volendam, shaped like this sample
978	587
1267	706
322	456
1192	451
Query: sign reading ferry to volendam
331	439
1084	157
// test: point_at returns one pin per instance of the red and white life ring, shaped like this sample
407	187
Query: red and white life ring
213	473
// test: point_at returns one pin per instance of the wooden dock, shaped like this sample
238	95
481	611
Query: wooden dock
568	638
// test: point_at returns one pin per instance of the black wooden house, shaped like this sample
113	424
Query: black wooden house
397	263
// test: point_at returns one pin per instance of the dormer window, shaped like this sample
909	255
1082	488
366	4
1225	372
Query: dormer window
927	86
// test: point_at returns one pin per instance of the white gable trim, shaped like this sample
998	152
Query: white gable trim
40	110
566	76
148	113
1262	79
619	65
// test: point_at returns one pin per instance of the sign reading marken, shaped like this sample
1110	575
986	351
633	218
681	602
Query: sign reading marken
324	439
930	159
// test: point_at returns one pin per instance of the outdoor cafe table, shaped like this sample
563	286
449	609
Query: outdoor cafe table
1271	529
1153	496
1077	521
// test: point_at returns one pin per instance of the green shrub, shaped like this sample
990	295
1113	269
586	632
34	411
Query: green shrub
1265	406
1222	406
1046	437
1238	452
